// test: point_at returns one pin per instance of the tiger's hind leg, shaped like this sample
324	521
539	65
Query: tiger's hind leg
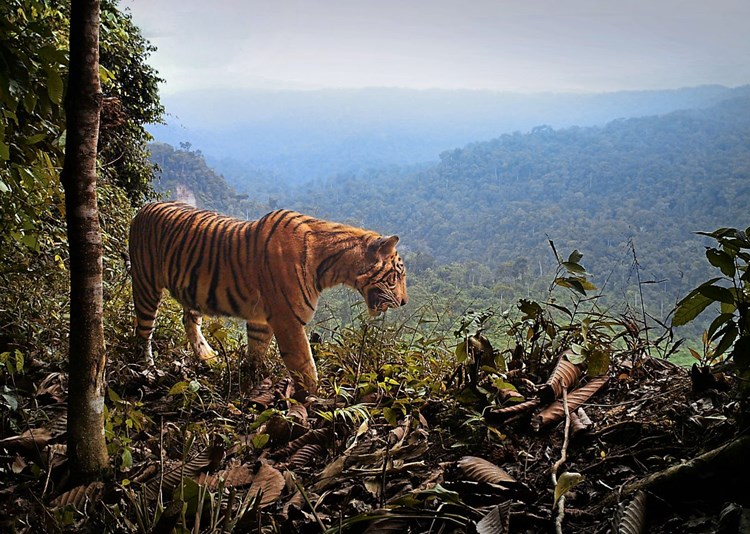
146	300
259	336
192	321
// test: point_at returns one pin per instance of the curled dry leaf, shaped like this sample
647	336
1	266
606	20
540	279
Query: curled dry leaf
564	376
480	470
269	482
320	436
80	497
279	429
298	412
263	394
576	425
503	414
53	385
305	455
633	519
556	411
284	388
331	473
497	521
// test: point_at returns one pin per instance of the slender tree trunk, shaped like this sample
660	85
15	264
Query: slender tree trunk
87	449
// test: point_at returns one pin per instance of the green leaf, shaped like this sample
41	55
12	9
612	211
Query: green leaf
460	351
722	260
34	139
717	323
4	151
127	458
565	483
575	256
730	334
106	75
390	415
574	268
179	387
598	362
717	294
260	440
54	85
689	308
113	396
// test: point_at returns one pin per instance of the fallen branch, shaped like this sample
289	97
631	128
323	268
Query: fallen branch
710	471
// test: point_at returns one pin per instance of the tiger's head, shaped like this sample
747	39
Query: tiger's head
382	282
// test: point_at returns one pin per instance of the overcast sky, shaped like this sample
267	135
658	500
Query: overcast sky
510	45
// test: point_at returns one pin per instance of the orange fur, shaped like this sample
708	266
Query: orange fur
269	272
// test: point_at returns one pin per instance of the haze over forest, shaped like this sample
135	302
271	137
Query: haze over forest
476	219
308	135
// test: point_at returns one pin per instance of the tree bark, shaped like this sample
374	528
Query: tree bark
87	449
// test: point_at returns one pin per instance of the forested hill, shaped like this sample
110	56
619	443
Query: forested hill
652	180
480	219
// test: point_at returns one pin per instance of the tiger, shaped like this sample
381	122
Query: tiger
269	272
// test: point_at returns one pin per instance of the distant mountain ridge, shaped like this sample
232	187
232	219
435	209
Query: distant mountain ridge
307	135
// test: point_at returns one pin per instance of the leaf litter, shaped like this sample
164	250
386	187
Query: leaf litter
333	465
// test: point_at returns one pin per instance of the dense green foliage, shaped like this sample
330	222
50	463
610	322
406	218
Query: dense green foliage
183	175
728	336
33	73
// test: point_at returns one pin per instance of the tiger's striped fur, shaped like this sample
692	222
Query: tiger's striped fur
269	272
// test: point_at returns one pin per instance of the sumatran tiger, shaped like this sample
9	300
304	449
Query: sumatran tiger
269	272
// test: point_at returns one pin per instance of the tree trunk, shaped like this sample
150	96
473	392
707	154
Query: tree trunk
87	449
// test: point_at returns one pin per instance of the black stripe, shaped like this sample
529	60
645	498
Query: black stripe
291	309
215	260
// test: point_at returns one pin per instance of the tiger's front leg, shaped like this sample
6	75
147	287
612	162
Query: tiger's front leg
259	336
192	321
295	351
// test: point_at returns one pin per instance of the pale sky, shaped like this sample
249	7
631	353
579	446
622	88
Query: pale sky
506	45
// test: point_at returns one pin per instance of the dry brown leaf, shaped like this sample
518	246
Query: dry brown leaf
298	412
564	376
497	521
269	482
319	436
52	385
556	411
207	460
30	440
278	429
633	518
576	425
80	496
330	473
262	394
284	388
480	470
305	455
499	415
235	476
383	526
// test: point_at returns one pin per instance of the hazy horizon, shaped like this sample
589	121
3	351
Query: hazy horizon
517	46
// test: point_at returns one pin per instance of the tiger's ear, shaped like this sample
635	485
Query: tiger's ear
382	246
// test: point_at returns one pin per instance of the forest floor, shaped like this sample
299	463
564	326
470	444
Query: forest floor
402	453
